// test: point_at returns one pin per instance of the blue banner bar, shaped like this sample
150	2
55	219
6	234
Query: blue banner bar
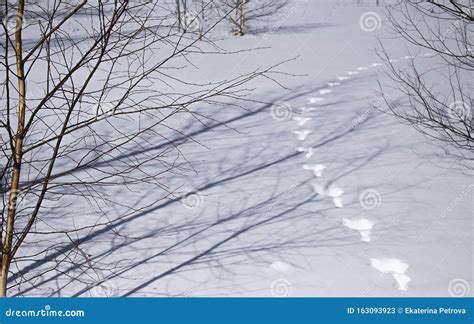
237	310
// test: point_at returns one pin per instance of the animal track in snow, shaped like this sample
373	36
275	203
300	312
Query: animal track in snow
389	265
393	61
335	193
302	134
408	57
376	64
309	151
316	168
333	84
306	109
352	73
315	99
281	266
402	280
301	120
324	91
395	267
318	189
362	225
362	68
342	78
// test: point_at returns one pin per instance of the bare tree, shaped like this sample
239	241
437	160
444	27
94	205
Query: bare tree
87	89
443	108
247	11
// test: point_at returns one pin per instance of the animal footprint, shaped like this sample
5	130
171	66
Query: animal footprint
352	73
309	151
316	168
362	68
402	280
342	78
324	91
363	225
333	84
302	134
314	100
335	193
395	267
376	64
301	120
281	267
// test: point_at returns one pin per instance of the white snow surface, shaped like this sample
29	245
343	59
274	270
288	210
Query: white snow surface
246	202
389	265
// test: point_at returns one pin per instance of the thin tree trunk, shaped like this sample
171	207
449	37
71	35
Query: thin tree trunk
235	20
15	180
178	13
203	18
242	17
185	15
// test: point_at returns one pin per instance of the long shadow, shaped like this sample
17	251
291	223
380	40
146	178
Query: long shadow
290	29
206	186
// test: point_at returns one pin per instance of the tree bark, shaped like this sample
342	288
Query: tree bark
178	13
18	149
242	17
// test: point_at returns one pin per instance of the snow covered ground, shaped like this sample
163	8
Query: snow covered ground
316	194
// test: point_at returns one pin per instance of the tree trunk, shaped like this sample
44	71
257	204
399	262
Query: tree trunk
235	20
15	180
178	14
242	17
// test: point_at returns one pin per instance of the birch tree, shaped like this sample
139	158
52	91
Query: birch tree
244	12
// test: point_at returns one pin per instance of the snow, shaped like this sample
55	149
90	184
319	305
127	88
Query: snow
325	91
396	268
389	265
301	120
315	99
281	267
249	202
316	168
402	280
302	134
309	151
362	225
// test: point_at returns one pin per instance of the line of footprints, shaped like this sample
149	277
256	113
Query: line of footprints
392	266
